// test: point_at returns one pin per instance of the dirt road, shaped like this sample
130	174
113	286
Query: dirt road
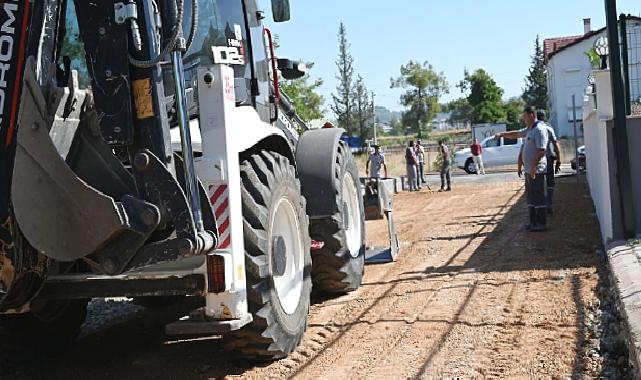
472	295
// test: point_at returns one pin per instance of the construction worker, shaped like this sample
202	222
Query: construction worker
420	155
552	153
375	162
410	163
535	164
445	167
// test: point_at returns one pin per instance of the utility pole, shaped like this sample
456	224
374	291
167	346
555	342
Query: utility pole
619	132
374	119
576	144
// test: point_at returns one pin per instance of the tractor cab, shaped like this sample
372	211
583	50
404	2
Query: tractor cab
231	33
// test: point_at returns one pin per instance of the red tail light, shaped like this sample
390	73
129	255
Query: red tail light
216	273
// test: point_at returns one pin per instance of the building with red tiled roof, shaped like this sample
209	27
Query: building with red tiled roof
553	45
550	45
568	68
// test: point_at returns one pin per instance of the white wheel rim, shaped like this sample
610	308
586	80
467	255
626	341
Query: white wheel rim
353	231
289	286
471	167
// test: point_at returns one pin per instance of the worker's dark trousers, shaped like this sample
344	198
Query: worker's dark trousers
421	175
549	180
445	174
536	200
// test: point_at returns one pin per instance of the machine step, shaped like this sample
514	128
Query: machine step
196	324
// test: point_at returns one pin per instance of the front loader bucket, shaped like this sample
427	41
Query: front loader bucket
59	214
377	200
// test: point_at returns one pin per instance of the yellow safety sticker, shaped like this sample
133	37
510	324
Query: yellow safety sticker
226	314
240	272
142	98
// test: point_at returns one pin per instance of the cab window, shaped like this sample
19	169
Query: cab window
221	35
491	143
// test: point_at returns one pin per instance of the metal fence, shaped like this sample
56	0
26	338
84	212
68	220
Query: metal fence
631	58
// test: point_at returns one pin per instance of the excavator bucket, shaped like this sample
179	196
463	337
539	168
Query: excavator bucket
377	199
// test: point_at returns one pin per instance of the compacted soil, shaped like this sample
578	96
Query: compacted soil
472	295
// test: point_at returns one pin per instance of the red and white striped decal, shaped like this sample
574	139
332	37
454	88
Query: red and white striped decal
219	198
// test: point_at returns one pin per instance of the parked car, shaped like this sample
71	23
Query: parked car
495	153
581	155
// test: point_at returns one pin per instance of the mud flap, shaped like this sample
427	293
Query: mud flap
59	214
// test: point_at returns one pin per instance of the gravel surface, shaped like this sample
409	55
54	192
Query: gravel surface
473	295
103	313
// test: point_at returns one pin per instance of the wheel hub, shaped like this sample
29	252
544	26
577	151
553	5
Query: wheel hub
279	255
287	255
470	166
352	215
346	220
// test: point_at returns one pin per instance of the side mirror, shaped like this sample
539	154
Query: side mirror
280	10
291	69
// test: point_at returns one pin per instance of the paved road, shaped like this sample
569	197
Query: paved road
492	175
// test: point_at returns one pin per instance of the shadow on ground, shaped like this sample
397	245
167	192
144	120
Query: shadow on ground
139	349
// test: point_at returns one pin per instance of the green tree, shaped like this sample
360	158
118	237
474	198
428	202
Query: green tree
303	95
397	127
73	48
409	121
513	113
424	86
484	96
363	112
535	92
461	110
343	100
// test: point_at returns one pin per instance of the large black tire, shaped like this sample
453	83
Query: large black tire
469	166
268	180
50	327
337	268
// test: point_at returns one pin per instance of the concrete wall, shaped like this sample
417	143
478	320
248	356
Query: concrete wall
595	135
601	160
634	146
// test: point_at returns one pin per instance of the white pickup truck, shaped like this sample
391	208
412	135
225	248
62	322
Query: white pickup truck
495	153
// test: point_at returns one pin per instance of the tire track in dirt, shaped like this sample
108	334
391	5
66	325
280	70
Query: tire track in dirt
364	356
452	306
370	337
428	326
406	338
332	340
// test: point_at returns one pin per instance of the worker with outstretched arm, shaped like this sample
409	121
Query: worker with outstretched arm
535	164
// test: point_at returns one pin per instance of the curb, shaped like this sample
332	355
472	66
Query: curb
624	263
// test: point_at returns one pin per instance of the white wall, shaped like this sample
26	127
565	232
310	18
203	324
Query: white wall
568	71
596	151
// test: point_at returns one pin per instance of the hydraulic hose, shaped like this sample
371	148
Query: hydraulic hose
194	24
145	64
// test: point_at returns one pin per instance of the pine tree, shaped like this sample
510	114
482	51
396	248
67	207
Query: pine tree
343	99
536	86
362	108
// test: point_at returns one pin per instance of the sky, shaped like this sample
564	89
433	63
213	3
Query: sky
496	35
